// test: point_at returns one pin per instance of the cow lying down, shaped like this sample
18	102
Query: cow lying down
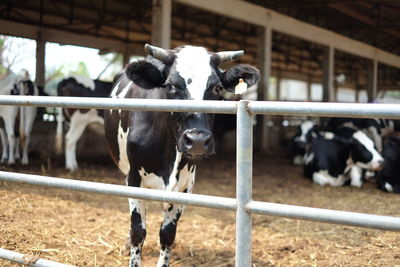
337	158
388	178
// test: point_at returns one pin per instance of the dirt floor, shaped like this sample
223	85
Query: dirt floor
86	229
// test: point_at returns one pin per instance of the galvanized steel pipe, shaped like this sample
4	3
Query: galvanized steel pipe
122	190
244	169
325	215
208	106
26	260
351	110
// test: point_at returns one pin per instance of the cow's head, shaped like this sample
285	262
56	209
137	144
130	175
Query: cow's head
190	72
362	150
303	136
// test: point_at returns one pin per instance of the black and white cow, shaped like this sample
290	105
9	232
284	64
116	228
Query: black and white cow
388	178
16	122
371	127
388	127
78	119
297	144
159	150
335	158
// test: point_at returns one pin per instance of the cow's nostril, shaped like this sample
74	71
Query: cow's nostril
187	141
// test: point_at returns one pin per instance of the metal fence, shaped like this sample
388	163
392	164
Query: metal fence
243	203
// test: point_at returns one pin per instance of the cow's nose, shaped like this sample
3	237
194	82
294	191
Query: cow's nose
197	142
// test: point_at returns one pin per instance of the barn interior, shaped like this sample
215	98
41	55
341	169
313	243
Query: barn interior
306	50
350	49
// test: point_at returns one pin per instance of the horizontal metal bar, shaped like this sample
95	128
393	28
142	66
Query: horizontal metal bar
327	216
208	106
122	190
28	260
282	210
323	109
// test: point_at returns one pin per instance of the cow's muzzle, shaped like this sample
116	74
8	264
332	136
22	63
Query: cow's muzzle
197	142
378	165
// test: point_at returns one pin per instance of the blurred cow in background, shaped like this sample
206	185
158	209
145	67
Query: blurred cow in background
388	178
371	127
78	119
335	158
16	122
297	145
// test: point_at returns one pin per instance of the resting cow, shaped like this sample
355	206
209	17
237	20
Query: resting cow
335	158
370	127
16	122
388	178
159	150
297	145
78	119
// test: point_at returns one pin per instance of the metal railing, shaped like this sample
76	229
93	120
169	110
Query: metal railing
243	203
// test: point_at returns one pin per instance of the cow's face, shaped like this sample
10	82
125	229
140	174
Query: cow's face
190	73
364	153
303	136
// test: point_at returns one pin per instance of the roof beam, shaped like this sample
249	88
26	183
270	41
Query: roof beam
260	16
63	37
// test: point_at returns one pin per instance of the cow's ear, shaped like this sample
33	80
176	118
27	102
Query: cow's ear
145	74
230	78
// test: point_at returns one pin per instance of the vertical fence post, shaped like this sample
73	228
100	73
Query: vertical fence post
244	167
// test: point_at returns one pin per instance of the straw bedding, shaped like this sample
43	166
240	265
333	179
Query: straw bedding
88	229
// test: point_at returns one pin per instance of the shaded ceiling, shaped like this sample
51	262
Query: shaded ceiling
375	22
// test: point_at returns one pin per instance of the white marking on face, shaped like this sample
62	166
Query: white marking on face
305	127
194	63
123	163
85	81
369	145
322	177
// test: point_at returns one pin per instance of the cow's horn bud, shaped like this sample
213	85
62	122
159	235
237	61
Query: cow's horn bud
229	55
162	54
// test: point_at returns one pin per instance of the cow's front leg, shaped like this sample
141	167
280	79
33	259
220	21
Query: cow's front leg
172	213
138	231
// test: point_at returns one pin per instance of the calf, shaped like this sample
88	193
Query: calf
297	145
335	158
13	135
159	150
388	178
78	119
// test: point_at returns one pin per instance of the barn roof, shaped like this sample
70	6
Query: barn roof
125	26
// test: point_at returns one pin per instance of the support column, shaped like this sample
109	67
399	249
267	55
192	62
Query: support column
328	76
264	47
161	23
358	87
309	84
372	83
278	85
40	63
